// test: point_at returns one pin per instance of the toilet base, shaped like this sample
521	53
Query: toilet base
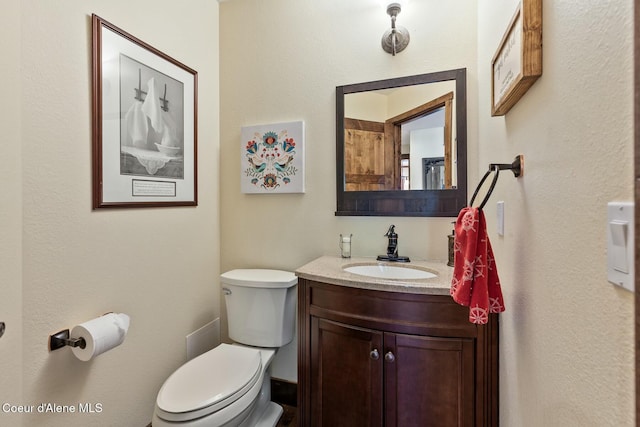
271	415
266	413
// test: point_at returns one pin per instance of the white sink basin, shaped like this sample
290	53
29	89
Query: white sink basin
384	271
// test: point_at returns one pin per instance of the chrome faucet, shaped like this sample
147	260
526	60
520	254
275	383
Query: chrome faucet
392	247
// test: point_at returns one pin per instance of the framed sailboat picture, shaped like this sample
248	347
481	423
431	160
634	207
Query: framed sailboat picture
144	123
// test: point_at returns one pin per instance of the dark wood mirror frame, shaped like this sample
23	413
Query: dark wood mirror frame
435	203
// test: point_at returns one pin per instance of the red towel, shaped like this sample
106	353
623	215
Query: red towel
475	282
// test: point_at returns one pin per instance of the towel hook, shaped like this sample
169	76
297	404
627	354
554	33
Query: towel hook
517	166
164	99
139	91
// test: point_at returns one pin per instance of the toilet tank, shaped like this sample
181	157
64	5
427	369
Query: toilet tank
261	306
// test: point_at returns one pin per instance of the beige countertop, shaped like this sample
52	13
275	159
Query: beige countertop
329	269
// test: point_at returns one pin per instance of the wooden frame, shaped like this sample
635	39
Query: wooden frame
428	203
517	63
393	129
144	123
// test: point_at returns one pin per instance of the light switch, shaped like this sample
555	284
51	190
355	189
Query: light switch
619	230
500	217
620	244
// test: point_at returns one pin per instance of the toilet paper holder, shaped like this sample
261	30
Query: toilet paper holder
62	339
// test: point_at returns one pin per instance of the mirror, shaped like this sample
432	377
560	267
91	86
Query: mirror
401	146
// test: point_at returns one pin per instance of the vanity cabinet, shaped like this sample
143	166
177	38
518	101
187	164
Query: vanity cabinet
379	358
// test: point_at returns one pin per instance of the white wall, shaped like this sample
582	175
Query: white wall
566	339
366	106
160	266
567	335
281	61
11	213
424	143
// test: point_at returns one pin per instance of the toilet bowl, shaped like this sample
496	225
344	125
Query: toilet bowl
230	385
222	387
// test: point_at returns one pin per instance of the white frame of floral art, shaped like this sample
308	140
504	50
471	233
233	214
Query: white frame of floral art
272	158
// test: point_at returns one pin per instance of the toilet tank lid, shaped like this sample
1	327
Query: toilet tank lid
259	278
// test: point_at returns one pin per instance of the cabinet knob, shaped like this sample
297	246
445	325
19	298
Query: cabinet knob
389	357
374	354
2	326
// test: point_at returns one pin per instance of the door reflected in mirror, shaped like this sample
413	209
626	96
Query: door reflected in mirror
400	134
396	141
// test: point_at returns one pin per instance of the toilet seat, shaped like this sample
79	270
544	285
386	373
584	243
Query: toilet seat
210	382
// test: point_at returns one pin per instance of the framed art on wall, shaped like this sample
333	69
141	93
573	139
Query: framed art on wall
144	123
517	63
272	158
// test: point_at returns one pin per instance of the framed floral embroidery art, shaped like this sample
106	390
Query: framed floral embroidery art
272	158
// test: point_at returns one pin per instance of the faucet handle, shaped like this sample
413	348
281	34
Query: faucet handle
390	231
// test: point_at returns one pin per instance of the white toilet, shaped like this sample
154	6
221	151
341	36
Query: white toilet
230	385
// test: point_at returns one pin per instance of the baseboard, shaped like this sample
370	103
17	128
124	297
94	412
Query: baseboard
284	392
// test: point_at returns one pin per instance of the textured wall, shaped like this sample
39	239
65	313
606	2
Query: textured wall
567	335
160	266
281	61
566	339
10	213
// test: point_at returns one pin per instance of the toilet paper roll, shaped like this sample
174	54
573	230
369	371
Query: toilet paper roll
100	334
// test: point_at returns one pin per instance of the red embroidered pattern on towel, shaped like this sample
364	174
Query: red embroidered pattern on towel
475	282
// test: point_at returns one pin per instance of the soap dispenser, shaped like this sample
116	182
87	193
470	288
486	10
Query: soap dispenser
452	238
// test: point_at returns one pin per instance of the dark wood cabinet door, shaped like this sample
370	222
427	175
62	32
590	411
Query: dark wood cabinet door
429	381
346	375
442	371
